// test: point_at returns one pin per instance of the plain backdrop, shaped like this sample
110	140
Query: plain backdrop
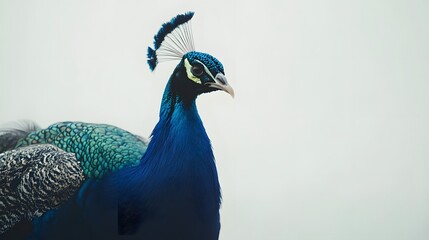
327	138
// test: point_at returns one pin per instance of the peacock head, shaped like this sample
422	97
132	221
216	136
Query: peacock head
196	72
206	71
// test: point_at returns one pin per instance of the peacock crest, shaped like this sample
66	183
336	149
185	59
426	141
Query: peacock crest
172	41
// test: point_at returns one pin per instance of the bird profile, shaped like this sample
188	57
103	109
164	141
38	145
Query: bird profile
121	186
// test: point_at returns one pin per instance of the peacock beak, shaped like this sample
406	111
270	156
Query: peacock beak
221	83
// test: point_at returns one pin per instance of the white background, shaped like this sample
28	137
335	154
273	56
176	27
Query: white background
327	138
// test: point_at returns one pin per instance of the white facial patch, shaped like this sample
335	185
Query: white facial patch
191	76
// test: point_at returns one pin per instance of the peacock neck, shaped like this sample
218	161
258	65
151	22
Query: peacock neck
179	144
176	184
173	104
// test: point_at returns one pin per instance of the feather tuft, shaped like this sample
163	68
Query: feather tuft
151	58
168	27
172	41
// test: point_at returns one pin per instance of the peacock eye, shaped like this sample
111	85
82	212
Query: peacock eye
197	70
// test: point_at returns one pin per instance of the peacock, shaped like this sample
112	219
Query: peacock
76	180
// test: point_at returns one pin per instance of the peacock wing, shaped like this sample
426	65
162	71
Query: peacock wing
100	148
35	179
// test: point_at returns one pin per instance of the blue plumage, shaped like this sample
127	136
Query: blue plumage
151	58
211	62
173	192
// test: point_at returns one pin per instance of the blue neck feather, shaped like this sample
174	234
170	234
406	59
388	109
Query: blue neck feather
180	146
176	183
179	143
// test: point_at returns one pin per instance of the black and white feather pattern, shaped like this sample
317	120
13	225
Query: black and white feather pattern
35	179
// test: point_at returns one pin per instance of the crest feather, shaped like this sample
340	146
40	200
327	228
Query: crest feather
172	41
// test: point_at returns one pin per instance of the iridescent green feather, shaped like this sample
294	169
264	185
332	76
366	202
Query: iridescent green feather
100	148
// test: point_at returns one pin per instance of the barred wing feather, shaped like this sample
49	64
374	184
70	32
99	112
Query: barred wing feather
35	179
